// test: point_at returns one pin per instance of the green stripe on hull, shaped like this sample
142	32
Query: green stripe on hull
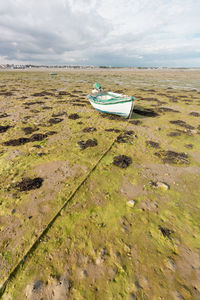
113	113
109	102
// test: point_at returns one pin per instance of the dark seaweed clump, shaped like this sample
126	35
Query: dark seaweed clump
195	114
22	141
23	97
4	128
33	103
167	109
74	117
28	184
17	142
89	129
63	101
112	130
55	120
62	93
37	137
6	93
122	161
89	143
165	231
46	107
125	137
4	115
29	130
112	117
35	111
78	104
182	124
173	157
152	144
174	133
51	133
179	132
136	122
43	93
189	146
59	114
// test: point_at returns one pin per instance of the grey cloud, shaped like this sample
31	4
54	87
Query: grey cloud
66	31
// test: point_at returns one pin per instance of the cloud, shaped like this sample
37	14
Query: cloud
107	32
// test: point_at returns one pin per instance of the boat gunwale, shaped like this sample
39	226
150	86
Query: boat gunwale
110	101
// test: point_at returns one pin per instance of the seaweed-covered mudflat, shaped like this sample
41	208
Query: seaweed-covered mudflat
93	206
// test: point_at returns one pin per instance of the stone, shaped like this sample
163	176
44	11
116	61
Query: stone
162	185
131	203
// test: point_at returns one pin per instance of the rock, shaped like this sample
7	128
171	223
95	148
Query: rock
162	185
84	274
37	284
171	265
13	211
132	296
131	203
99	260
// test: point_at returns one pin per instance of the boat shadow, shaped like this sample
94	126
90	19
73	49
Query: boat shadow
140	112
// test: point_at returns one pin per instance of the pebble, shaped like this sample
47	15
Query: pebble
162	185
131	203
133	297
37	285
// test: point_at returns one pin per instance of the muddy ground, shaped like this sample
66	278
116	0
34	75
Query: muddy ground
94	206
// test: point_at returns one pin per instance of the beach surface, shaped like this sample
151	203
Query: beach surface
94	206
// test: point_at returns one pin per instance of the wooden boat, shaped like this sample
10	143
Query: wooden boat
111	103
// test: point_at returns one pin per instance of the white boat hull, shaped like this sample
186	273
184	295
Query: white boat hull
120	109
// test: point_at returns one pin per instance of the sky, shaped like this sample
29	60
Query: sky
103	33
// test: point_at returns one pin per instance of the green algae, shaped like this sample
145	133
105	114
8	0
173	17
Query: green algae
104	244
